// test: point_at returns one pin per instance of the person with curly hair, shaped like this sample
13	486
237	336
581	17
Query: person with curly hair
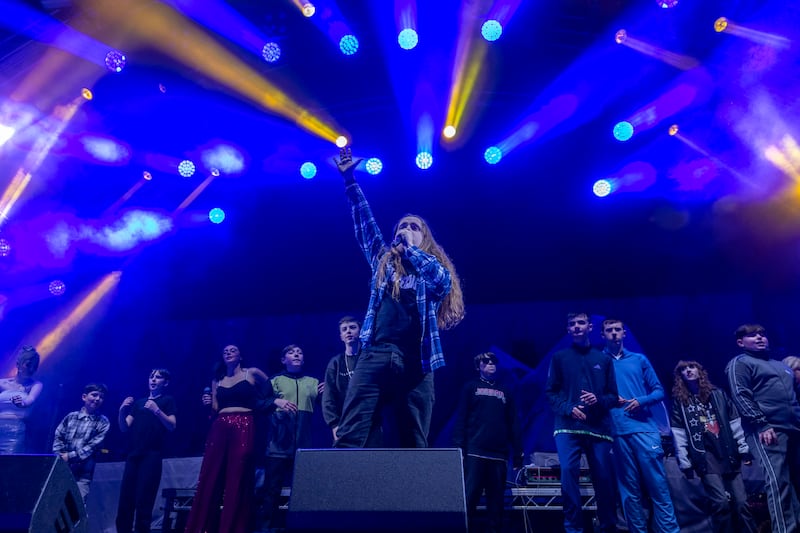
709	440
414	293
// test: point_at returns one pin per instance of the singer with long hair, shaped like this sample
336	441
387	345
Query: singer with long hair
414	293
227	475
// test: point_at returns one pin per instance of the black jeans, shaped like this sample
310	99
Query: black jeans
138	493
385	378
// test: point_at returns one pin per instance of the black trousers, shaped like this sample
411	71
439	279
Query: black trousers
485	474
138	493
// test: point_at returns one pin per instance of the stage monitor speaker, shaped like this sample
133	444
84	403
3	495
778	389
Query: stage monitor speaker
39	495
378	490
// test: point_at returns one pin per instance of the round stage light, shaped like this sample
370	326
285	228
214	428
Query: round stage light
673	129
146	175
341	141
374	165
623	130
601	188
162	88
5	248
449	132
86	94
186	168
493	155
216	215
620	36
407	39
308	170
215	172
720	25
57	287
348	45
115	61
667	4
424	160
309	9
491	30
271	52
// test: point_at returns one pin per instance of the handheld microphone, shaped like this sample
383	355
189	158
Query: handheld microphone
398	240
207	390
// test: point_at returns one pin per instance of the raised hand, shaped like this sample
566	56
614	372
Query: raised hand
345	163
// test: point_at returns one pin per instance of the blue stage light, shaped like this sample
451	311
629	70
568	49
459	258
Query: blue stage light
5	248
57	287
407	39
374	166
424	160
115	61
667	4
348	45
308	170
491	30
271	52
601	188
186	168
493	155
623	130
216	215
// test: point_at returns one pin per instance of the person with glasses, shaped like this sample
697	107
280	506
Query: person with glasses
17	397
414	292
487	430
709	440
763	390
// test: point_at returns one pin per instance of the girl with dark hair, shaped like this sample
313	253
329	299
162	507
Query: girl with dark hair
414	293
709	440
227	475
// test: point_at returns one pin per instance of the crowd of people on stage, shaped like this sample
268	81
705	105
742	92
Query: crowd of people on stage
604	401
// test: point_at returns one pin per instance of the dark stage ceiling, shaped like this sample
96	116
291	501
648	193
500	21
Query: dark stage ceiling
712	213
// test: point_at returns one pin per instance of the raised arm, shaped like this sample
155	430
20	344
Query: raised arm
124	420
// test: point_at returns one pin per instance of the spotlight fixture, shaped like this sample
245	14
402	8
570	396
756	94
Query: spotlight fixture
449	132
216	215
348	44
341	141
620	36
5	248
493	155
57	287
115	61
271	52
186	168
308	170
424	160
374	165
309	9
86	94
601	188
673	130
623	131
491	30
407	39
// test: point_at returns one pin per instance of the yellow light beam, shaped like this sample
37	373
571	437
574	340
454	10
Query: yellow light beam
173	34
50	341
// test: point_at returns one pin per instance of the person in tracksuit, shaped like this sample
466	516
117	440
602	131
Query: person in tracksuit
763	391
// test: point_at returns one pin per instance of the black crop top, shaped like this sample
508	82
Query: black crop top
243	394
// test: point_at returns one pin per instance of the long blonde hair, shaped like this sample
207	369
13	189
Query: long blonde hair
451	312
